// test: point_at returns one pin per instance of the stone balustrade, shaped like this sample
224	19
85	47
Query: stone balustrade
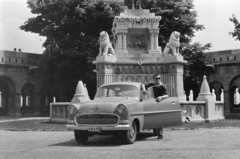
196	111
59	112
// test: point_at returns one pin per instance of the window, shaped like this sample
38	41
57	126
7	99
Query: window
117	91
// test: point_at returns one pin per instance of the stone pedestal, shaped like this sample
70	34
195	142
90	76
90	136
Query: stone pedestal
105	69
205	95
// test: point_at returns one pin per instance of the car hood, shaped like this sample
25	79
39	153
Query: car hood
104	105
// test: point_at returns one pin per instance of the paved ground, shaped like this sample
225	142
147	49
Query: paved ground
221	143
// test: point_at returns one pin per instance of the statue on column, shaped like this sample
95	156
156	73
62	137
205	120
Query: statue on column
105	45
173	45
138	3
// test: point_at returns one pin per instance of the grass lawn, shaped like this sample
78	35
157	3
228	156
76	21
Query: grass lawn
45	125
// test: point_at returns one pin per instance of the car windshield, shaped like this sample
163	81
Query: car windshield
117	91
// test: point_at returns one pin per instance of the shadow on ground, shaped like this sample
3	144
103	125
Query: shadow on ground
105	141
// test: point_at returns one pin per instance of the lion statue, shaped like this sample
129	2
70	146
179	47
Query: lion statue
172	46
105	45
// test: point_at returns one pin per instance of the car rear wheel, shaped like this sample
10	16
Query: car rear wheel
81	137
131	134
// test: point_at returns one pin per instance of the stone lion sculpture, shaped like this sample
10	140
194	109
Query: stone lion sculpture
105	45
172	46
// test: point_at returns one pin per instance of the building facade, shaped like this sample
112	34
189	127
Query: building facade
224	75
20	84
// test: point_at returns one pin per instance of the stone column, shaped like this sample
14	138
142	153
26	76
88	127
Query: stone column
124	34
9	102
227	107
37	103
16	104
174	76
119	39
151	40
180	87
156	39
105	69
24	101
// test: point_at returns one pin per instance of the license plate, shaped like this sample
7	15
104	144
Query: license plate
94	129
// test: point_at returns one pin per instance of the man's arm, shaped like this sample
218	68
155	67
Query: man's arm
165	95
159	98
144	87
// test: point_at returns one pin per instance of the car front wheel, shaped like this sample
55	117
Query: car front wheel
131	134
81	137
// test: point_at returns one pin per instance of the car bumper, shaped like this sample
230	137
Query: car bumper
103	128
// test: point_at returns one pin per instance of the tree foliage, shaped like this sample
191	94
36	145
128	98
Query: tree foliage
195	66
236	31
72	28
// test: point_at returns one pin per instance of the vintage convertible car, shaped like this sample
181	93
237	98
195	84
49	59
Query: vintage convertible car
121	108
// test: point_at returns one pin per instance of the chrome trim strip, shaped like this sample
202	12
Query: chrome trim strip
155	112
96	114
103	128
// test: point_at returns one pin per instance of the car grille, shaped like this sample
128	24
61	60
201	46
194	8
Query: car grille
97	119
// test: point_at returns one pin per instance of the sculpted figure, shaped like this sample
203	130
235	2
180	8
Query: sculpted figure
105	45
172	46
138	2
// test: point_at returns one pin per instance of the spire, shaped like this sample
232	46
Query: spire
204	91
81	93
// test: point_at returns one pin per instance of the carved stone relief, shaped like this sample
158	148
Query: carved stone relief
137	40
135	78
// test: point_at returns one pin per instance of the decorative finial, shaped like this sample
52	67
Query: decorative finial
81	94
204	91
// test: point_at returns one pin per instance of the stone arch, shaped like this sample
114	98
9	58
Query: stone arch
235	83
27	96
7	89
217	86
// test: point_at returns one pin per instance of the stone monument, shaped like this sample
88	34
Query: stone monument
137	55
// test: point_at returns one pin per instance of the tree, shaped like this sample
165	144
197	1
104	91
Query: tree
196	63
71	28
236	32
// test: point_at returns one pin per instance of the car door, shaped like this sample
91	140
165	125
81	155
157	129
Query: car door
161	114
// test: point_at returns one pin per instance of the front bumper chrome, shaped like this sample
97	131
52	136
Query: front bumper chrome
103	128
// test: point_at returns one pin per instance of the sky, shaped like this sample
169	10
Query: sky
213	14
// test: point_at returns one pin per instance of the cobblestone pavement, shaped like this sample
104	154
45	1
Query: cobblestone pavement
180	144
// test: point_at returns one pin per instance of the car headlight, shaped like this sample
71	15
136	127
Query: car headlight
121	109
72	109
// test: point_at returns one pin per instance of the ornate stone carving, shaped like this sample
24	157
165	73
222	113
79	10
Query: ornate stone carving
105	45
172	46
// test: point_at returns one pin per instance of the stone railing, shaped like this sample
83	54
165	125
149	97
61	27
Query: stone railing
59	112
205	109
198	111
